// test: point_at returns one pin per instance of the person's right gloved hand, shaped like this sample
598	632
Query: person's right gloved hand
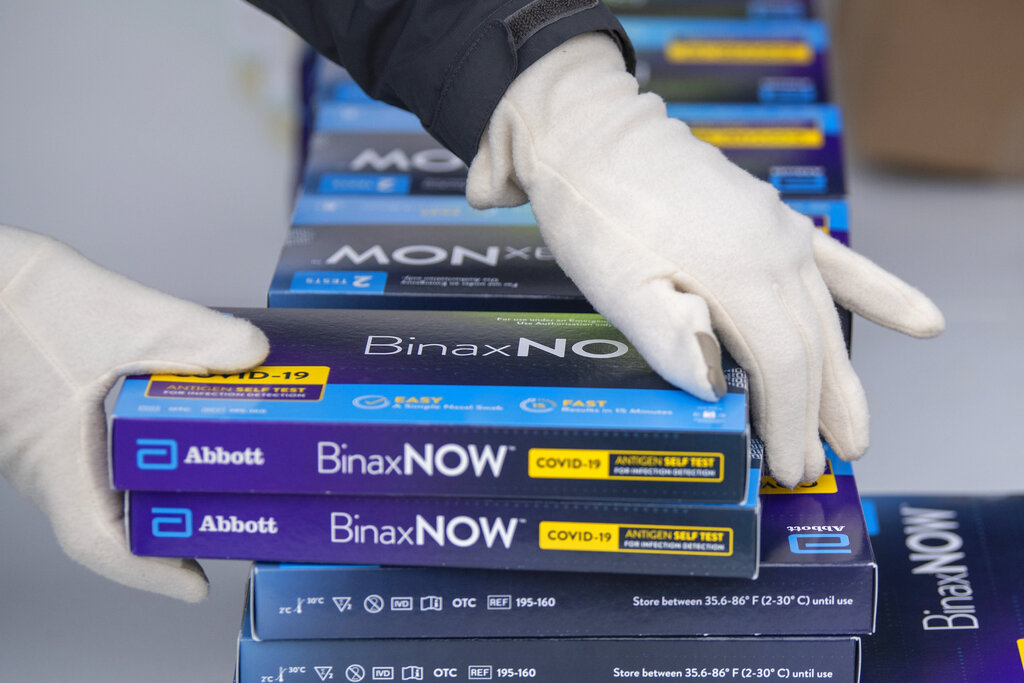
68	330
674	244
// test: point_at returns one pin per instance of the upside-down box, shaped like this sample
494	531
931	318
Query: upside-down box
438	253
377	150
731	60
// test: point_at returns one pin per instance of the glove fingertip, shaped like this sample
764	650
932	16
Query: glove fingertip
786	471
814	464
176	578
712	353
927	320
243	346
189	583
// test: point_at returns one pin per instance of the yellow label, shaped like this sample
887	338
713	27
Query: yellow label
265	374
636	538
761	138
582	463
267	382
826	483
1020	649
739	52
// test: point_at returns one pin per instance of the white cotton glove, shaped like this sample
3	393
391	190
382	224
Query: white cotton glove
68	330
669	240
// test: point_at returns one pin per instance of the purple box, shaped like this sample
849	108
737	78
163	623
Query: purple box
950	589
670	538
435	403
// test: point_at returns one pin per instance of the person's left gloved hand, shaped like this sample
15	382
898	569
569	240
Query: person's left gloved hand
68	330
674	244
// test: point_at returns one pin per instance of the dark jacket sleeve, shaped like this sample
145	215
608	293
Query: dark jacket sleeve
447	61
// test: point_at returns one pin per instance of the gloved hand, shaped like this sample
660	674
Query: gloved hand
68	330
671	242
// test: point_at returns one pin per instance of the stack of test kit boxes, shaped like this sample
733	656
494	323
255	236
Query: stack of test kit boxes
467	413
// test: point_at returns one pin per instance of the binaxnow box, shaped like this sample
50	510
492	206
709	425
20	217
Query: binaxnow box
377	150
950	588
439	253
817	577
796	148
731	60
435	403
547	660
453	263
698	539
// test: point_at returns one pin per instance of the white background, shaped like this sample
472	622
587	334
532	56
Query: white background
153	136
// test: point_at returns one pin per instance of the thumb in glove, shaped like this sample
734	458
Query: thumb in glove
68	330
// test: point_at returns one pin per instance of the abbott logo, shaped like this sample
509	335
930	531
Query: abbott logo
172	522
156	454
819	544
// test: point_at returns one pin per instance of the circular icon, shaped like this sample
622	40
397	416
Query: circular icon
355	673
371	402
537	405
373	604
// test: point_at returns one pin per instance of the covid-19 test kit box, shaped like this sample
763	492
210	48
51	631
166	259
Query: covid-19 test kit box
817	577
445	403
547	660
446	265
700	539
950	589
731	60
438	253
375	150
796	148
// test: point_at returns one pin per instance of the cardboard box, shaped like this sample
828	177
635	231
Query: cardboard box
553	660
934	87
950	589
799	591
731	60
435	403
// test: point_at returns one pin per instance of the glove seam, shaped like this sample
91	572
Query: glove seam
20	326
805	340
828	368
